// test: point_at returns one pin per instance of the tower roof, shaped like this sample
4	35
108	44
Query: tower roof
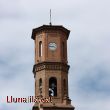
49	27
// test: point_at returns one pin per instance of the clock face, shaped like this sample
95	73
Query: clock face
52	46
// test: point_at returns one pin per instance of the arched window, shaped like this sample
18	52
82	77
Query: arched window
63	50
64	85
35	87
40	48
40	86
40	82
52	86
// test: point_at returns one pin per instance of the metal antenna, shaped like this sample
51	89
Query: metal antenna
50	17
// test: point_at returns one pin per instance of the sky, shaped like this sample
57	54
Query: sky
88	49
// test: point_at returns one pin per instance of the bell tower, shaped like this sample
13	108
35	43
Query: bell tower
51	67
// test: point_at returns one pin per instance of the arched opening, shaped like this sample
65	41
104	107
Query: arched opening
64	86
64	83
35	87
40	48
40	86
52	86
40	82
63	49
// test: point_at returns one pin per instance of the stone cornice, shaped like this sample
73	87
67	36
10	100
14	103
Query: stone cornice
50	28
50	66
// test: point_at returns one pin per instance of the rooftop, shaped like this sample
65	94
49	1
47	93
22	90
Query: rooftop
49	27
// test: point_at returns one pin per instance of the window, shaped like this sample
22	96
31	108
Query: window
40	82
40	86
63	49
35	87
52	86
64	85
40	48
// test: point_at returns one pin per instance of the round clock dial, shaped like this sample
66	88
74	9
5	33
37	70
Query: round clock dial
52	46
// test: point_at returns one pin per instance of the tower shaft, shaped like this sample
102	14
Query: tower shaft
51	67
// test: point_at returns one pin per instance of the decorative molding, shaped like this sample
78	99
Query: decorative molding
50	66
54	107
49	28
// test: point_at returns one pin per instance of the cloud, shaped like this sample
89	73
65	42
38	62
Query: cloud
88	49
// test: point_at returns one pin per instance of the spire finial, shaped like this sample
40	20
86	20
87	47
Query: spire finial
50	17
